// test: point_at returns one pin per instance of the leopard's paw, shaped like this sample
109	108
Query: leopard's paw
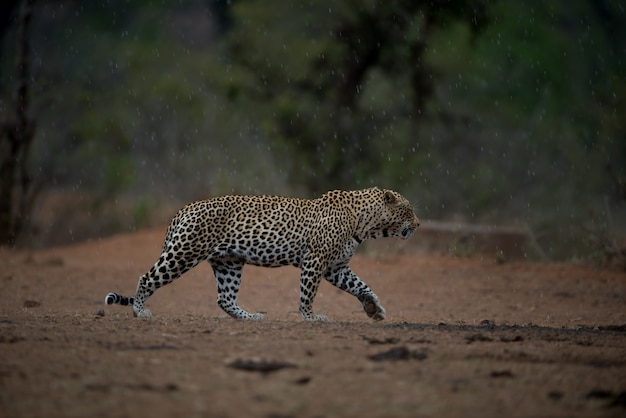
316	318
373	308
256	317
144	313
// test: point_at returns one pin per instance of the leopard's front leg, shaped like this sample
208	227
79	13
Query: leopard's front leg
346	280
310	278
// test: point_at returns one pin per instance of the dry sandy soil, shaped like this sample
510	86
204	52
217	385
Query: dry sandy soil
463	337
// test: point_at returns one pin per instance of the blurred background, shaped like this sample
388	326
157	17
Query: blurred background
115	113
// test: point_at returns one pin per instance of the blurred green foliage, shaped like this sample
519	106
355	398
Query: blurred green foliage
483	111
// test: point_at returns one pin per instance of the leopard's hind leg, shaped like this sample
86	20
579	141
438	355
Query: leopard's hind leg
166	269
228	276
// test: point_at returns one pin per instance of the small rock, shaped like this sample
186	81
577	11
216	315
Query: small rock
515	339
171	387
619	400
616	328
32	303
388	340
487	324
259	365
477	337
99	313
501	373
555	395
303	380
615	399
399	353
599	394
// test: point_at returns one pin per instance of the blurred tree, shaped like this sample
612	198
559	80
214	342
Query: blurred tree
305	69
484	111
17	130
7	15
611	128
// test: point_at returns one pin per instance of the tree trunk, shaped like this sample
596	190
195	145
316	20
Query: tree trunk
17	133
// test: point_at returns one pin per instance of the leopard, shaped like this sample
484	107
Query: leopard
319	236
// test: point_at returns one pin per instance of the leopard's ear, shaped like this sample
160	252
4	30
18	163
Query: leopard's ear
390	197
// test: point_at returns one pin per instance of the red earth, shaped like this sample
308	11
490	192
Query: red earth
463	337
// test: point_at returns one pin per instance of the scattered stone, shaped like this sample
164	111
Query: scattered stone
32	303
562	294
616	400
599	394
388	340
555	395
517	338
171	387
106	387
420	340
399	353
303	380
616	328
619	400
602	364
487	324
99	313
259	365
10	339
154	347
501	373
477	337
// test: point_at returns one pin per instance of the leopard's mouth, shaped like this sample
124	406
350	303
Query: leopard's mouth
406	232
409	228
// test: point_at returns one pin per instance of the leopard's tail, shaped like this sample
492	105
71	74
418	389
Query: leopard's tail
112	298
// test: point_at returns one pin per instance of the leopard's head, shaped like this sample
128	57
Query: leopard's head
394	216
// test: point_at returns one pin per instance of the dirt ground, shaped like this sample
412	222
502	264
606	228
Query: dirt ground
463	337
